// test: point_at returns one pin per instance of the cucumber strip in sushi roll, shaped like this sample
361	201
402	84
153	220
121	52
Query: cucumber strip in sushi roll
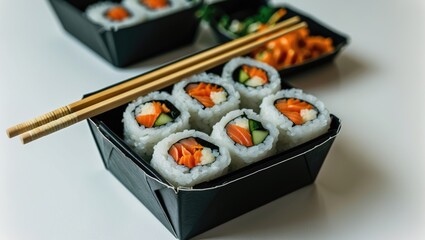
248	137
190	157
208	98
149	119
155	8
113	16
252	79
298	116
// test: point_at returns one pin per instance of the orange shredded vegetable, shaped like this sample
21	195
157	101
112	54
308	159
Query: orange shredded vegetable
293	48
187	152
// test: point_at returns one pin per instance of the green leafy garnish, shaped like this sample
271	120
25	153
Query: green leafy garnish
248	24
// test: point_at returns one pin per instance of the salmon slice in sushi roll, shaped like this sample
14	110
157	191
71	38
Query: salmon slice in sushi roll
151	118
190	157
298	116
296	110
156	8
155	113
188	152
207	94
208	98
113	16
251	76
155	4
248	137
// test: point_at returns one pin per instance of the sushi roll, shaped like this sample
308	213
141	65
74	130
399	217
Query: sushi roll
208	98
298	116
248	137
155	8
190	157
149	119
252	79
113	16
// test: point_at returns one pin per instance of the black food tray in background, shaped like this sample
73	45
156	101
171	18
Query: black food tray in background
189	212
128	45
240	9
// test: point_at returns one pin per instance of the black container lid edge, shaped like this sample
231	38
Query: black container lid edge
191	189
262	169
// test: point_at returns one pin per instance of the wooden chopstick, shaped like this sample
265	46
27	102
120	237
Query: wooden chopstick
165	81
140	80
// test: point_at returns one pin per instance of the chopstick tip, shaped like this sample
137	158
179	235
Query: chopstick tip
11	132
26	138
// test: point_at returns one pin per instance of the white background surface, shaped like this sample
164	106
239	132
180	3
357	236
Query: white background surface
370	187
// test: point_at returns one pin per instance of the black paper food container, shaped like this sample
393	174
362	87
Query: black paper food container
186	212
240	9
131	44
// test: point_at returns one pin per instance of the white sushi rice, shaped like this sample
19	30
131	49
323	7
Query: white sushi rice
175	5
251	97
203	118
290	134
241	155
96	13
182	176
142	139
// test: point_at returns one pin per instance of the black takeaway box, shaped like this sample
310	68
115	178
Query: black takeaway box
128	45
187	212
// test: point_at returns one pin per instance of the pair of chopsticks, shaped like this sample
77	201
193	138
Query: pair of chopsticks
123	93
